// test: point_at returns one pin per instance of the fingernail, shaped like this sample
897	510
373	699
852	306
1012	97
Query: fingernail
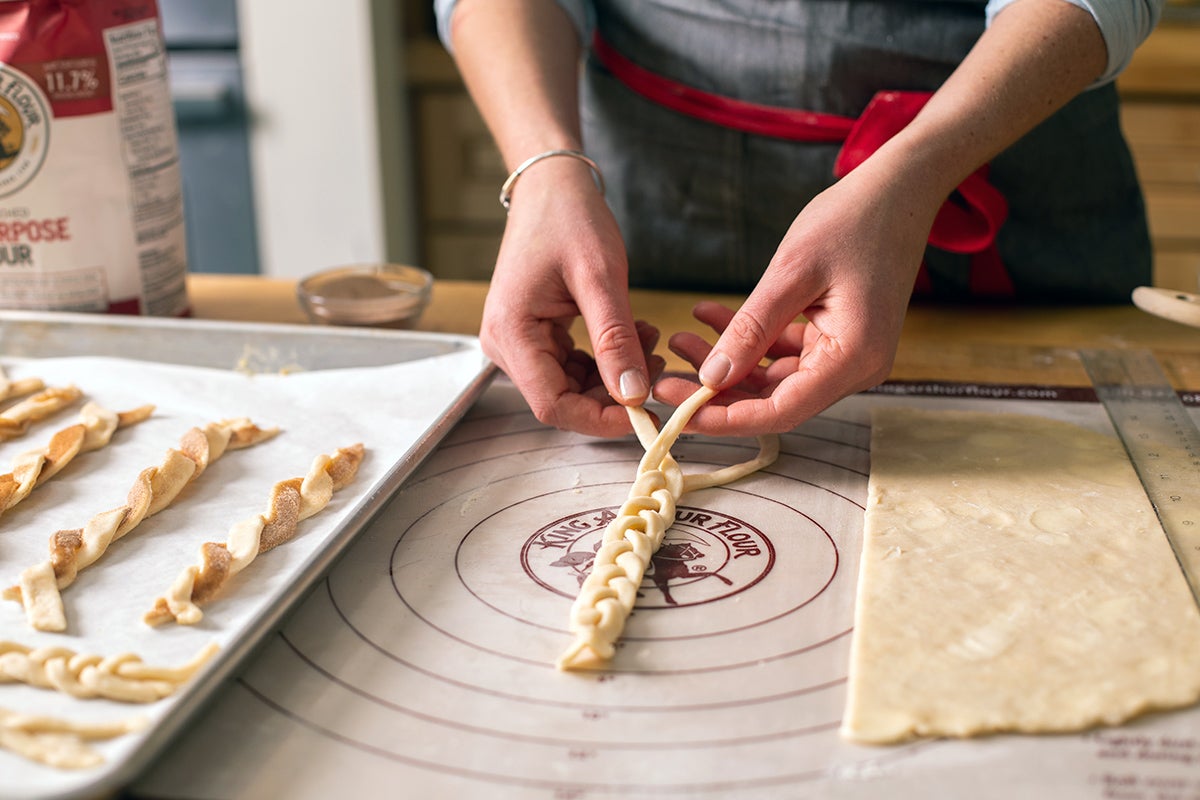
715	369
633	385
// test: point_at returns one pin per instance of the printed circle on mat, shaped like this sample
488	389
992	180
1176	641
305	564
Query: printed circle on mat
507	598
705	556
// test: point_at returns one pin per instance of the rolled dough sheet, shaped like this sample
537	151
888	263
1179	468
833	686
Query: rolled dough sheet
1014	578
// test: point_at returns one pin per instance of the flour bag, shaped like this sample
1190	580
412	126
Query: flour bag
91	201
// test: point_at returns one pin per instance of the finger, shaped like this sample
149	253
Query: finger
554	401
718	316
694	350
713	314
536	371
751	332
616	343
657	365
587	415
576	373
674	389
819	380
563	339
592	378
648	335
529	355
790	341
690	347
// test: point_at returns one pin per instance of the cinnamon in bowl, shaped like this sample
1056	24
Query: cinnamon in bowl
376	295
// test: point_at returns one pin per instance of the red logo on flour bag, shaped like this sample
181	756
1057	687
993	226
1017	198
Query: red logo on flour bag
91	201
705	556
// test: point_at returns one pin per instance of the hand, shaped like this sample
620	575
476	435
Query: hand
562	257
847	265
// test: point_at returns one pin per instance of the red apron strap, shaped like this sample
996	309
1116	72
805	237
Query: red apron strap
967	222
887	114
773	121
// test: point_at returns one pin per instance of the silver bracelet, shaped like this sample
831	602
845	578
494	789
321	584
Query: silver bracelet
506	189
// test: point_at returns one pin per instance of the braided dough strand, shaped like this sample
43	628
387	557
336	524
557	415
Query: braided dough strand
85	676
15	420
58	742
609	592
39	587
34	467
291	502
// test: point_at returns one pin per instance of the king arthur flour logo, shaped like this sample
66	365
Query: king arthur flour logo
706	555
24	130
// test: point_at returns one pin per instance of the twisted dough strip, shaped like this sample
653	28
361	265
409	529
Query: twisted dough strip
93	431
21	386
607	595
121	677
291	501
14	421
154	489
58	742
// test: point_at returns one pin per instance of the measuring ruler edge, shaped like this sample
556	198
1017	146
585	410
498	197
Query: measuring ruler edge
1142	404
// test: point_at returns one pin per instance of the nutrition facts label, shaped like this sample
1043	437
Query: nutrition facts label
142	102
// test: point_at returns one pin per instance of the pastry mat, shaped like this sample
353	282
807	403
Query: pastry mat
424	661
419	386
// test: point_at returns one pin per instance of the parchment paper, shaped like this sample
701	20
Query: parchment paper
387	408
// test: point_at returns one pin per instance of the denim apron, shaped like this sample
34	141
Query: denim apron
703	207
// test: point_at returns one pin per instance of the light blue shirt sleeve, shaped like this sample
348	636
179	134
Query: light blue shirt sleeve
1124	24
580	12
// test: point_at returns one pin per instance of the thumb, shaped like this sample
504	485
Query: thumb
744	342
617	348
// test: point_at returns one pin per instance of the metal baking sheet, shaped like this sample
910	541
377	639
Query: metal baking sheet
197	352
425	659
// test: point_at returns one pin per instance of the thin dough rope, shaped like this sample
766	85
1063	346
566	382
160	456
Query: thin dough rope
15	420
122	677
609	592
21	386
39	588
58	742
34	467
291	501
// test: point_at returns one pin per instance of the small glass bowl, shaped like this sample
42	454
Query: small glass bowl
376	295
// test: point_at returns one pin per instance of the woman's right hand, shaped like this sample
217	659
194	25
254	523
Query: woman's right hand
561	258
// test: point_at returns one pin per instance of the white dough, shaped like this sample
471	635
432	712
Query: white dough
1014	578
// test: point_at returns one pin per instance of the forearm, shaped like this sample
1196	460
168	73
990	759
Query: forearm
519	60
1035	57
1124	24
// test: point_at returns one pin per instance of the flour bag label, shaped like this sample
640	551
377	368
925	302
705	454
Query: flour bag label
91	200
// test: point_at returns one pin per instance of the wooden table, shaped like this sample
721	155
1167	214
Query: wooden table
979	343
